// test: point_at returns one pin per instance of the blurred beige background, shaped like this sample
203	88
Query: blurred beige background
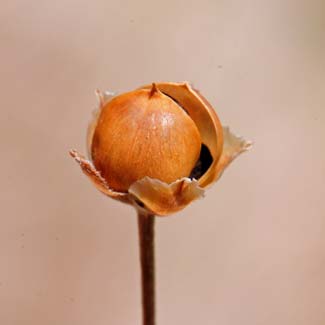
252	252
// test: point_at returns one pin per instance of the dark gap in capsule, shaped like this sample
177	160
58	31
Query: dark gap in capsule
204	162
177	102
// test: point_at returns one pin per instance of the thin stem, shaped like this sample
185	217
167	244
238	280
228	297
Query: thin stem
147	258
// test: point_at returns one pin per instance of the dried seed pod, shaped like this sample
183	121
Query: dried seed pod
157	147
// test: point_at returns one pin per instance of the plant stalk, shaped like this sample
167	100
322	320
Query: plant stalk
147	260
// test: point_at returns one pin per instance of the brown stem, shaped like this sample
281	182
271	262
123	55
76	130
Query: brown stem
147	258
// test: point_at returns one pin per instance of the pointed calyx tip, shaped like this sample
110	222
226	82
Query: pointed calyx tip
153	90
73	153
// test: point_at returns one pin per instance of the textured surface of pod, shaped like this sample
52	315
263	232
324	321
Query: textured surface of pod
144	133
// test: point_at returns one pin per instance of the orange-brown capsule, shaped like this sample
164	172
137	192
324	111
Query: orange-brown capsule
144	133
157	147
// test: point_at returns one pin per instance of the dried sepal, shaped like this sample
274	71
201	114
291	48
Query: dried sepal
102	99
161	198
89	170
233	146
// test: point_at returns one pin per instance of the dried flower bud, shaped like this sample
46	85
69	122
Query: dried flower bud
157	147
